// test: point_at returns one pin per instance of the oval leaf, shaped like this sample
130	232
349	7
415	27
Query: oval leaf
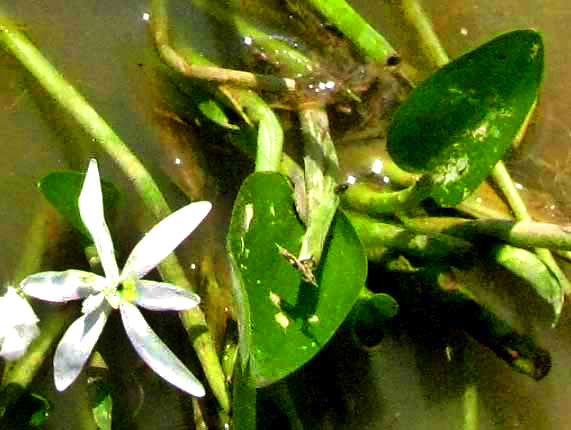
290	320
458	124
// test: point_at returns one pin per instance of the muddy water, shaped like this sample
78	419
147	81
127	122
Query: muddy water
100	46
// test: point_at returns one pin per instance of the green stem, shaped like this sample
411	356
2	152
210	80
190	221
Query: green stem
505	183
429	41
270	133
532	268
363	198
208	72
470	404
73	102
296	175
524	234
350	23
321	173
465	363
35	245
376	236
280	52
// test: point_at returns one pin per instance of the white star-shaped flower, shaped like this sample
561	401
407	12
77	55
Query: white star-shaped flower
120	291
18	325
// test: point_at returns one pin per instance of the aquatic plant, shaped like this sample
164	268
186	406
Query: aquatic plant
300	240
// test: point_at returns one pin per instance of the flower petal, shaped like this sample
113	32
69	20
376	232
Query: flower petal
62	286
17	340
77	343
156	354
160	296
163	239
15	310
91	211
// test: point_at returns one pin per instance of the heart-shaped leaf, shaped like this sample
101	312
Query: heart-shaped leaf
458	123
62	190
289	319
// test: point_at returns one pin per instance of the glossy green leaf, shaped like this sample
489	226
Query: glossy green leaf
289	319
458	124
62	190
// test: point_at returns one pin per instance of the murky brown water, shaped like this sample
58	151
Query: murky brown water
99	45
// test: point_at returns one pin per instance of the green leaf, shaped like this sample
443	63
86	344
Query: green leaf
458	124
290	320
99	391
103	405
62	190
369	316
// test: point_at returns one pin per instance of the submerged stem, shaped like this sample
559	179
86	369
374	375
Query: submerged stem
379	237
505	183
363	198
208	72
429	42
359	31
525	234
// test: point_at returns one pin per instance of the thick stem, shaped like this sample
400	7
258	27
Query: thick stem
208	72
270	133
321	173
281	52
363	198
350	23
525	234
429	42
505	183
378	236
